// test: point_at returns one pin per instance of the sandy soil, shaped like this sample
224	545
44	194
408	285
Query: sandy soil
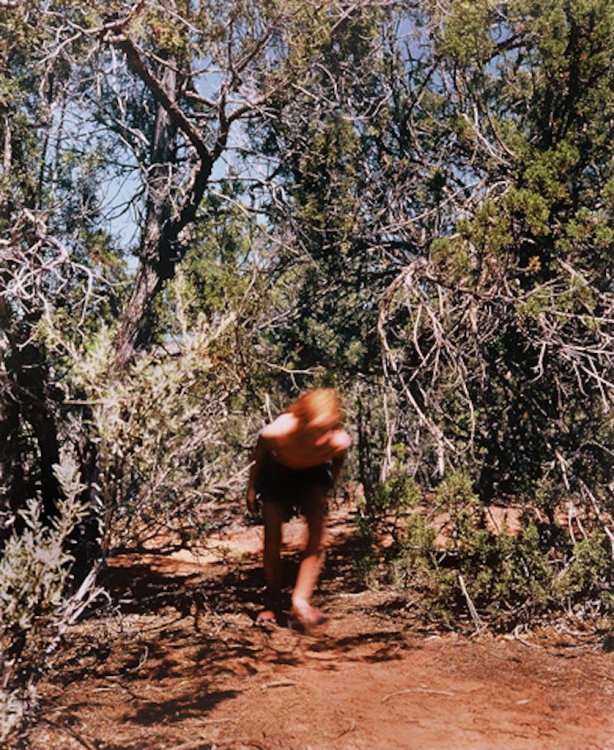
179	665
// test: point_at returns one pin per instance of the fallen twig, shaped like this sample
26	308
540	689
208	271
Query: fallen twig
522	640
347	730
321	655
201	744
428	691
278	683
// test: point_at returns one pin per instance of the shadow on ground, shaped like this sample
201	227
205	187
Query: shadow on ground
138	588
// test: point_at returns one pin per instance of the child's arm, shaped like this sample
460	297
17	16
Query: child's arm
254	470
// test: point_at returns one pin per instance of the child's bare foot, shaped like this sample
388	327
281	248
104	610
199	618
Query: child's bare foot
309	617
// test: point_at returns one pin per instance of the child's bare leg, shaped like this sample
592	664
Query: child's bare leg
273	518
316	511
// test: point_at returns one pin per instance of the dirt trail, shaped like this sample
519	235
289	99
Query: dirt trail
188	670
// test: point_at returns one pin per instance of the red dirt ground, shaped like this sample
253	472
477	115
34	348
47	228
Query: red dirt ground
182	667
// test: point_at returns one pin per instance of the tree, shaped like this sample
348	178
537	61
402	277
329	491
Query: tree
147	95
508	310
203	69
454	195
31	267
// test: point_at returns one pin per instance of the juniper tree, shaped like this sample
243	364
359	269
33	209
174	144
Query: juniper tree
447	179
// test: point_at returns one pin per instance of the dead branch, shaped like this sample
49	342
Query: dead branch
477	620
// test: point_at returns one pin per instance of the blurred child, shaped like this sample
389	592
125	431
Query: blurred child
297	460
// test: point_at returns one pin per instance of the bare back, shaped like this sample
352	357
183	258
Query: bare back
302	446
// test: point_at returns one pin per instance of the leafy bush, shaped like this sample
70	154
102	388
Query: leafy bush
441	546
34	606
167	434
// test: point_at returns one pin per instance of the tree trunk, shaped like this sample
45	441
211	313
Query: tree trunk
12	495
32	378
85	537
156	251
135	324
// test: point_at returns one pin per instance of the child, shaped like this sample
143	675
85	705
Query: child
297	460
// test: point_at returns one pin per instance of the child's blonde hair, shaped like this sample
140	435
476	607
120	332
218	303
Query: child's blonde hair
319	403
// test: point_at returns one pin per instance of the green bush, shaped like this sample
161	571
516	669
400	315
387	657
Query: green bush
167	434
499	580
34	606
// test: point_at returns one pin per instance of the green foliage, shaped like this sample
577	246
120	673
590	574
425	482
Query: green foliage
588	571
399	493
392	512
166	435
327	182
453	258
464	36
510	580
34	608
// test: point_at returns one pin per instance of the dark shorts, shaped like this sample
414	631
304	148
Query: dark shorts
289	487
